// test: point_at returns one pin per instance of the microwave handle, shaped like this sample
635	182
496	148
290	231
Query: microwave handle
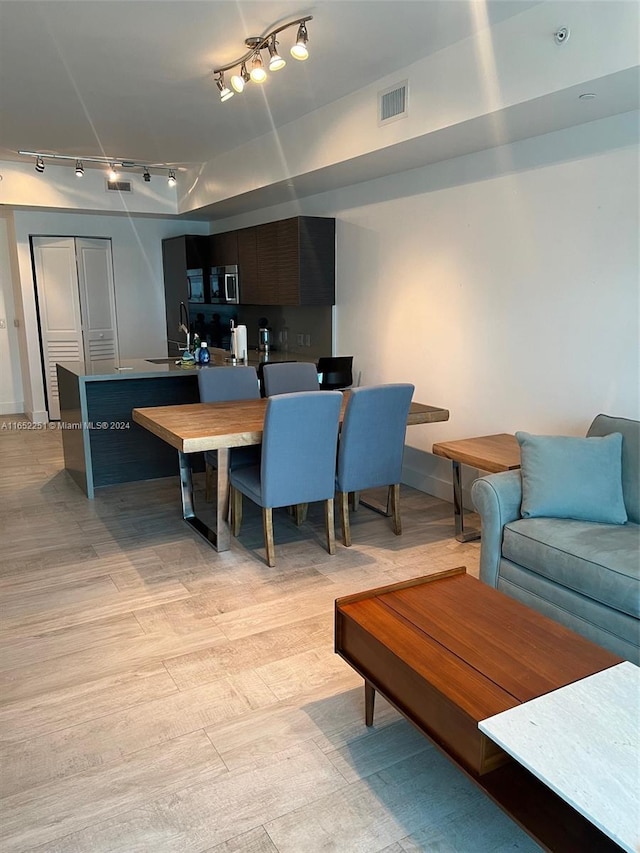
229	296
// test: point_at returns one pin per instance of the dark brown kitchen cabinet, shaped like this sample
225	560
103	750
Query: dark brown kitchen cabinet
268	266
248	266
306	261
294	262
223	249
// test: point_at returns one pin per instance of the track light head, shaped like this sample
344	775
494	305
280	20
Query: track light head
299	49
146	176
171	180
276	62
225	92
113	172
258	74
239	81
79	168
39	164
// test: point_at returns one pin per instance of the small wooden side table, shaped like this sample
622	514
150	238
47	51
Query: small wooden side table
491	453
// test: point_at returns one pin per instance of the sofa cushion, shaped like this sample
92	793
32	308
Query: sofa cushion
567	477
630	430
596	560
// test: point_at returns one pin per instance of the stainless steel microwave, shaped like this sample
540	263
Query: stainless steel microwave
224	284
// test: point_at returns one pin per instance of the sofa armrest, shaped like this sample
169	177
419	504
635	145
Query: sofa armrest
497	497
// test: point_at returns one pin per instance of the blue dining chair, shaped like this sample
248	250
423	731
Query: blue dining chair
288	376
222	385
372	446
297	466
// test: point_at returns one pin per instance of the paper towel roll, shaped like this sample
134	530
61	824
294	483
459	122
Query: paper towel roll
239	335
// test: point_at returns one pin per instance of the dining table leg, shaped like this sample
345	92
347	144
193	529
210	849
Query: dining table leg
220	538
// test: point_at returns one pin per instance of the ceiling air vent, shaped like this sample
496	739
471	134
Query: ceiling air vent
393	102
119	186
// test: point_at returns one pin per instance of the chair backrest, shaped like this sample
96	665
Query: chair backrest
299	444
261	368
222	384
372	437
289	376
337	372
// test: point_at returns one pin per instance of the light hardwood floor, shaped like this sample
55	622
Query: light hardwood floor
157	696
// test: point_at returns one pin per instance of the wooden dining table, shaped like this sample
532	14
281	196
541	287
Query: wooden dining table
196	427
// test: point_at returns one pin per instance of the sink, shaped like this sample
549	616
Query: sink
163	360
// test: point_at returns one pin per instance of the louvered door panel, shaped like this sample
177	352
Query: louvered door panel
97	298
59	309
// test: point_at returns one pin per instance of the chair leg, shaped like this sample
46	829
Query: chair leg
208	484
355	501
300	511
394	501
267	523
330	526
343	497
235	500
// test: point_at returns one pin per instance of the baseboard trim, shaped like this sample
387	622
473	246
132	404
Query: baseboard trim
37	417
435	486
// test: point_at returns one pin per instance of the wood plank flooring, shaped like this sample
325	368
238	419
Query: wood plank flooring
158	696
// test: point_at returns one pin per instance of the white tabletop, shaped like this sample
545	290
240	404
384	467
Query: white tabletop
583	742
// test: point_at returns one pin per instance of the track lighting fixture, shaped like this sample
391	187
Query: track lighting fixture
299	49
114	163
256	45
225	92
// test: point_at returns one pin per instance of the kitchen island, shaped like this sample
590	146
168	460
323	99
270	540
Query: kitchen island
102	445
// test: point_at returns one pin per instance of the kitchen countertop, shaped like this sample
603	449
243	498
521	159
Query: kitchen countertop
140	368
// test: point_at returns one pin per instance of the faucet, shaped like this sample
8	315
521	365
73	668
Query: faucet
184	323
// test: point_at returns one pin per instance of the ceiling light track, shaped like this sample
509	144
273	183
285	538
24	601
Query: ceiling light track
258	72
112	164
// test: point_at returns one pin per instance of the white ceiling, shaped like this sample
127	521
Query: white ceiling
132	78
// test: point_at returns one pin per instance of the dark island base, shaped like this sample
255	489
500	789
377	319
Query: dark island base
102	444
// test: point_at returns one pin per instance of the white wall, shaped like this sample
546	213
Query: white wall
503	284
11	397
137	266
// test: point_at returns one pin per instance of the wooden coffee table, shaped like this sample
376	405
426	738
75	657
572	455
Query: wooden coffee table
448	651
491	453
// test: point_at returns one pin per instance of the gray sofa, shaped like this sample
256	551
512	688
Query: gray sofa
580	573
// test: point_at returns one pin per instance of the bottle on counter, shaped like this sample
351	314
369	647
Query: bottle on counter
204	354
196	347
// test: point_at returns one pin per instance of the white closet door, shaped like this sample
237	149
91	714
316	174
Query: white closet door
59	309
97	298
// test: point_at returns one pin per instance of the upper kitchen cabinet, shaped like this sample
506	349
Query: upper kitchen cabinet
248	266
289	262
223	249
306	261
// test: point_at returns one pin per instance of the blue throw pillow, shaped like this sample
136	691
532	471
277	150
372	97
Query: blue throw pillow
566	477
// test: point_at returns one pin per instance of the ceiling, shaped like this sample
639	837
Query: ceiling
133	78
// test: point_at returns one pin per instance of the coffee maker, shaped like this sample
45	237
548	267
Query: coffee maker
264	336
